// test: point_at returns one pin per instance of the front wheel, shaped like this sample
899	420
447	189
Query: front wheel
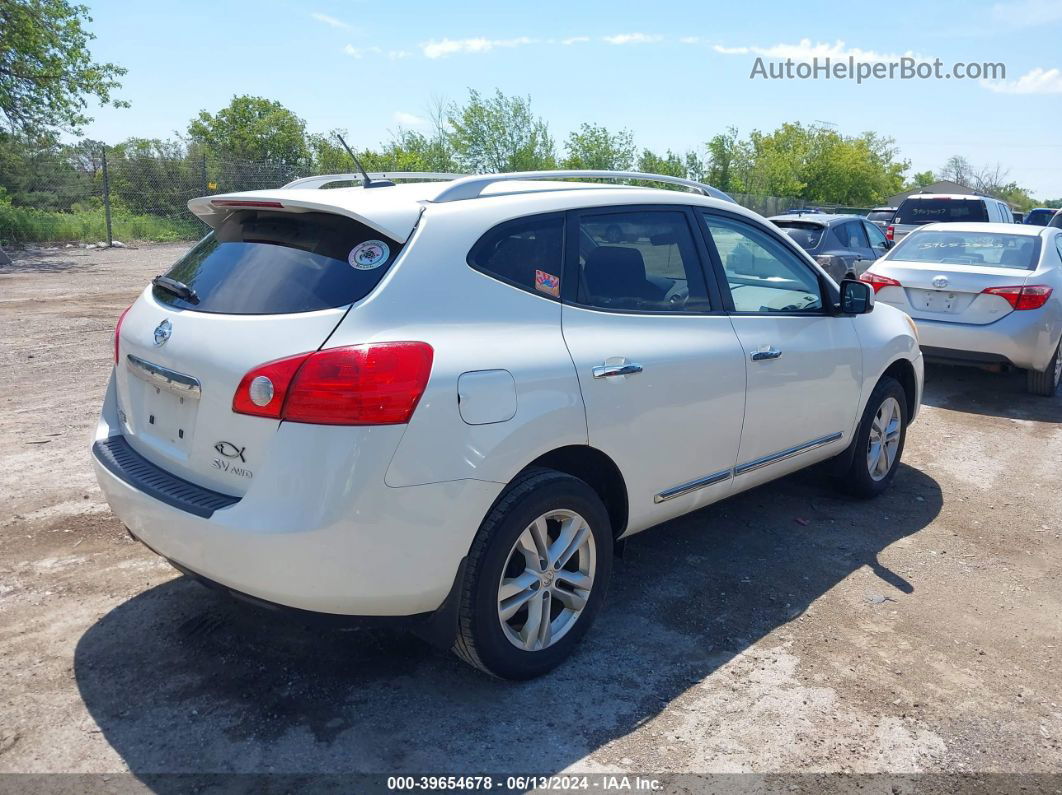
1045	384
537	574
879	441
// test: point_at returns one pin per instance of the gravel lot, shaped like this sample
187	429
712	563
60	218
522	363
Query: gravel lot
785	630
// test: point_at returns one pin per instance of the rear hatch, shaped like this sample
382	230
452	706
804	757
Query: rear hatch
944	273
265	285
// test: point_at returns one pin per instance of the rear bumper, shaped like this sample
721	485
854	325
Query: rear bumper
1022	339
318	529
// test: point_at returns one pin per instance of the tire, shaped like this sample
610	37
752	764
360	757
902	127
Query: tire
863	478
499	551
1045	384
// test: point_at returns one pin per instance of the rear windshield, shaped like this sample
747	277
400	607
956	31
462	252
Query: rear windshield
928	211
880	215
991	249
266	263
805	235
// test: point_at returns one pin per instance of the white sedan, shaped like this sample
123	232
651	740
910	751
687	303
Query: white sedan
981	294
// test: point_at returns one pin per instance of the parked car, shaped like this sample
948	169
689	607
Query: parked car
1040	216
981	294
881	217
844	245
447	403
929	208
1056	220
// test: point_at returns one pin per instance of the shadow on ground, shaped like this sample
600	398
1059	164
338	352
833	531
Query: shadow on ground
182	679
975	391
43	262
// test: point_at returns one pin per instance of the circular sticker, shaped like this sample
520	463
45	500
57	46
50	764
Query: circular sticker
369	255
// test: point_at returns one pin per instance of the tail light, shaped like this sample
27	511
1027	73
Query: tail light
118	330
377	384
877	282
1031	296
890	232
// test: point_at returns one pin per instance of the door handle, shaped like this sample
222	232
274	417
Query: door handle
613	370
766	352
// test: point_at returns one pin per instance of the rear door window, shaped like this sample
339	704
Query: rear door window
641	260
928	211
265	263
857	238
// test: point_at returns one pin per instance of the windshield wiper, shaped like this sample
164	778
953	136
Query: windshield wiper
179	289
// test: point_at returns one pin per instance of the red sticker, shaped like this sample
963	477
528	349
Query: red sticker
547	283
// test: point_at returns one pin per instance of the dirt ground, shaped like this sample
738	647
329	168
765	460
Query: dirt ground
786	630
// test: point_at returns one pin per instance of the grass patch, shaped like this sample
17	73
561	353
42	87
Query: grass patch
27	225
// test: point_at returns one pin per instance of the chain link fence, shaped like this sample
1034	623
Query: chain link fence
99	196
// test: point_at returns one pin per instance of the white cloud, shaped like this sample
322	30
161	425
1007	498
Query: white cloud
408	119
1027	13
690	40
575	40
633	38
804	50
332	22
361	52
1035	81
440	49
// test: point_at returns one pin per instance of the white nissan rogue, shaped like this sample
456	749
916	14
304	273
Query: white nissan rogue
446	402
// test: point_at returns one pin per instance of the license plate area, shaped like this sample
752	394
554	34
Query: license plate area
162	406
940	301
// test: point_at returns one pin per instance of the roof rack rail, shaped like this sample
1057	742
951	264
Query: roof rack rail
471	187
327	179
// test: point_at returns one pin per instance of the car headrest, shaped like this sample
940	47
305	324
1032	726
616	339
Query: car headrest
615	271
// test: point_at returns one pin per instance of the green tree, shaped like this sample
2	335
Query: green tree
669	164
594	147
499	133
47	74
253	129
728	161
921	179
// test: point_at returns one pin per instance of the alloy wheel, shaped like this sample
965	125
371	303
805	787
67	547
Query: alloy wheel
547	580
884	439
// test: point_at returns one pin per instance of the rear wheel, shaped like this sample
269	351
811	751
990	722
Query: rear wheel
537	574
879	441
1046	383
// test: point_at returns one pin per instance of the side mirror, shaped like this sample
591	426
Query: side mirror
857	298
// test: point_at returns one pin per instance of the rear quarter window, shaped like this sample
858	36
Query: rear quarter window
524	253
264	263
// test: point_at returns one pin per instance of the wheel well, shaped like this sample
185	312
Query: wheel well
903	371
600	473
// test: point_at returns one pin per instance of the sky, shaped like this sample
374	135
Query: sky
673	73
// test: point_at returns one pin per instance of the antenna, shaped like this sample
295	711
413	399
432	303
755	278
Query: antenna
367	183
